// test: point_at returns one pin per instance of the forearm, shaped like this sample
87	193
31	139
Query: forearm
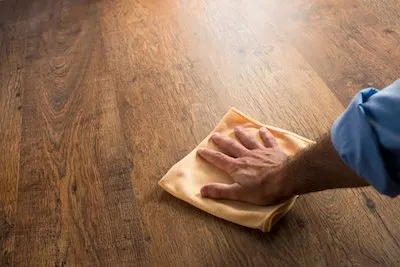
318	168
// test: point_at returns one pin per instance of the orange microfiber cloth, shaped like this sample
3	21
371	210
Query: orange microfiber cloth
186	177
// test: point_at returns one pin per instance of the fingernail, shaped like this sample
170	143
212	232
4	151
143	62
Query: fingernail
215	135
204	191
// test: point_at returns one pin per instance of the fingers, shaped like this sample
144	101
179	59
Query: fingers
268	139
218	159
221	191
228	145
237	192
247	139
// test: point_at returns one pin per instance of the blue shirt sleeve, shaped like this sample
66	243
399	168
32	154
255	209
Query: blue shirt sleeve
367	137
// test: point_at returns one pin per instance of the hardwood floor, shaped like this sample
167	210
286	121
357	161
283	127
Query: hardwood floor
99	98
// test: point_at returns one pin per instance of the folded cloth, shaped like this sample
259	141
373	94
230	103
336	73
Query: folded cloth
186	177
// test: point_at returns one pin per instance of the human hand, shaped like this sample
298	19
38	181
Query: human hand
254	167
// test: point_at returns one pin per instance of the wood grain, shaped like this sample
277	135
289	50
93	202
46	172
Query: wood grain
98	99
356	40
11	89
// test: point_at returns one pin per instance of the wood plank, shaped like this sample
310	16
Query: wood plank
11	93
76	203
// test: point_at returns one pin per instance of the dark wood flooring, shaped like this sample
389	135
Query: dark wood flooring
98	99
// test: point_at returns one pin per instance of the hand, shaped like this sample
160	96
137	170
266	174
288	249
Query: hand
254	167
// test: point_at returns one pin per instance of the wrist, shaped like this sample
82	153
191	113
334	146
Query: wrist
285	179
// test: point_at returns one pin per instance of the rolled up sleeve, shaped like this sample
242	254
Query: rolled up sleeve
367	137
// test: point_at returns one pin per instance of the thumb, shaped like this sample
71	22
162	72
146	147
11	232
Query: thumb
221	191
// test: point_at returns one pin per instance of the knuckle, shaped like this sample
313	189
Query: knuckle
244	162
234	165
229	142
219	155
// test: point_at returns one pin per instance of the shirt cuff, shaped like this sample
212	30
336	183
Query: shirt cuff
358	146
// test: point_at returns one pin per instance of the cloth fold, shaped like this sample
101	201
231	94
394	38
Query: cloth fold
186	177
